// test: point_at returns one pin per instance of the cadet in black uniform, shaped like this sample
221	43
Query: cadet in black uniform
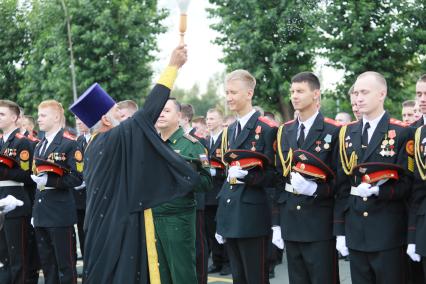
370	211
416	226
80	191
214	121
54	210
15	172
243	215
306	204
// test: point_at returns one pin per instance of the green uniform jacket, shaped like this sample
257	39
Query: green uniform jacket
188	147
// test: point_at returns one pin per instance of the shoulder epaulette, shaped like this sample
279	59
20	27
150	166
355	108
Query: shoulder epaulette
20	136
268	121
331	121
289	122
352	122
69	136
190	138
397	122
32	138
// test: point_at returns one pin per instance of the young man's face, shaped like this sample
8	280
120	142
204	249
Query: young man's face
213	121
408	114
369	94
238	95
81	127
48	118
421	96
302	96
7	118
169	117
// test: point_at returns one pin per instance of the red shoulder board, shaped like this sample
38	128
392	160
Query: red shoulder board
352	122
32	138
268	121
397	122
69	135
289	122
20	136
331	121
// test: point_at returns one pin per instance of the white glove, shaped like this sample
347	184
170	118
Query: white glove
235	173
277	239
32	221
81	186
212	172
341	245
366	190
302	185
40	180
9	203
220	240
411	251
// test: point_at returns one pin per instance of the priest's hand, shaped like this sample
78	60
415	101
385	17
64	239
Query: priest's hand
179	56
302	185
40	180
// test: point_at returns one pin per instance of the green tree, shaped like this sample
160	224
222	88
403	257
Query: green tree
13	45
113	44
271	39
384	36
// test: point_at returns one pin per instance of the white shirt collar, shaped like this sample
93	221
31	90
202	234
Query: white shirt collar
52	136
6	135
244	119
87	136
373	123
424	118
215	136
309	122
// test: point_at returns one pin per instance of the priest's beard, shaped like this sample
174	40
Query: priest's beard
114	122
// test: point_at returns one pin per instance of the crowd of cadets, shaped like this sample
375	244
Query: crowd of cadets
318	187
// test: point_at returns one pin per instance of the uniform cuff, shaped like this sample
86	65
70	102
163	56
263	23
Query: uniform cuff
168	77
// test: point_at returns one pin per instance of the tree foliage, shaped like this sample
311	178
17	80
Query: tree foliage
271	39
113	44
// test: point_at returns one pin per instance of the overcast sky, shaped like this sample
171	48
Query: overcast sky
203	61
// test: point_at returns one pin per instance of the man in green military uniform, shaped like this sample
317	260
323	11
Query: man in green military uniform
175	221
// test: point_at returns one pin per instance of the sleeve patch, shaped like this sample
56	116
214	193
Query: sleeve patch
268	121
24	155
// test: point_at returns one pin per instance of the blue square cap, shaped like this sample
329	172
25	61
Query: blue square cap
92	105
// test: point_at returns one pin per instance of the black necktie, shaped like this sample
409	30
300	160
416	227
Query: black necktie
238	130
211	142
364	139
1	142
43	147
301	138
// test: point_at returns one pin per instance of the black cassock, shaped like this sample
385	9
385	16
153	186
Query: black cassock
128	169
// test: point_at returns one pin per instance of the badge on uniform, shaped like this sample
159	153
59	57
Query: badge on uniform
253	148
388	144
204	160
24	156
327	140
78	156
257	131
218	153
318	148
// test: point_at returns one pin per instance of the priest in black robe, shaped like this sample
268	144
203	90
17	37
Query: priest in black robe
128	169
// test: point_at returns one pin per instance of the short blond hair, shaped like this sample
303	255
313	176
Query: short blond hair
52	104
377	76
243	76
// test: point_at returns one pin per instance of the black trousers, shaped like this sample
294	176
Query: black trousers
56	250
415	273
14	249
382	267
80	222
33	258
201	248
313	262
248	259
219	255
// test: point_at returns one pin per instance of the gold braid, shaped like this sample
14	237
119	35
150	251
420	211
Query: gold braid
224	144
421	166
285	163
347	164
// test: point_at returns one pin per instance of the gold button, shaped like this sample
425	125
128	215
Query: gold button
365	198
365	214
298	207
